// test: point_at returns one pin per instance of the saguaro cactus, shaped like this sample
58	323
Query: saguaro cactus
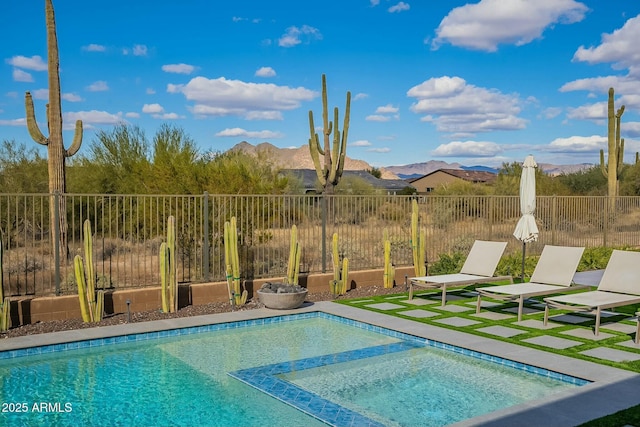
91	302
293	267
232	261
168	269
55	147
389	269
418	242
5	305
340	283
615	146
330	173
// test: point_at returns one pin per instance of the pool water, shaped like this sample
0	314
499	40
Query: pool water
227	377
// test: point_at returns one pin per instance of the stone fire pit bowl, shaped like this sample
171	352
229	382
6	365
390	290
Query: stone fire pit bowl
280	296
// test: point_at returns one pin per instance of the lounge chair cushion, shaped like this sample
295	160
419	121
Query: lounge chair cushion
483	258
622	274
595	299
557	265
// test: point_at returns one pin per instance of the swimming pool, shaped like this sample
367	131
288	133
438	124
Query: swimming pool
287	370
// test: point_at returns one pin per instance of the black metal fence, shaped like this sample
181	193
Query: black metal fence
128	230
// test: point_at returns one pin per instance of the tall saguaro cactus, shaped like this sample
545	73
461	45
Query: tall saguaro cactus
56	152
330	172
615	146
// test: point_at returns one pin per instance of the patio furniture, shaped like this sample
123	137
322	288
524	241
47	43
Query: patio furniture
618	287
553	274
479	267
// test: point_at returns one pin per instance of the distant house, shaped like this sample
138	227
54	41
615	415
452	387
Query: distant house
309	180
429	182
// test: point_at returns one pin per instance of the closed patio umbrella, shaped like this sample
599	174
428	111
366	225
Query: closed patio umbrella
526	230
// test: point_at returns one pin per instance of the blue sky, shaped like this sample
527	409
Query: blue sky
482	82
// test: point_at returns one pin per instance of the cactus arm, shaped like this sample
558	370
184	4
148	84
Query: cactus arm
77	140
172	279
315	151
32	125
164	275
88	256
603	165
418	239
345	275
335	150
294	258
81	281
345	132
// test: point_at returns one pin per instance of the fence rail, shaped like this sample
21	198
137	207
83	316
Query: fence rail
128	231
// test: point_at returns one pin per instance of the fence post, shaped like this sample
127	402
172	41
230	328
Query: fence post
324	232
554	219
56	238
605	223
205	238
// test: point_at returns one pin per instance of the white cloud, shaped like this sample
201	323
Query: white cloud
21	76
150	91
166	116
71	97
377	118
239	132
387	109
379	150
360	143
13	122
360	96
631	129
222	97
139	50
178	68
34	63
551	112
94	48
132	115
293	36
93	117
400	7
468	149
596	111
485	25
620	48
238	19
152	108
457	107
99	86
577	144
40	94
375	2
265	72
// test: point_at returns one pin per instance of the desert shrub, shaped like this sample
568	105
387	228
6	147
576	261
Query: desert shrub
447	264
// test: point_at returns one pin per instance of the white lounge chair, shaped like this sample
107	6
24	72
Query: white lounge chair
619	286
553	275
479	267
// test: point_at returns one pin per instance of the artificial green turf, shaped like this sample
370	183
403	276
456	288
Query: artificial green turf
629	416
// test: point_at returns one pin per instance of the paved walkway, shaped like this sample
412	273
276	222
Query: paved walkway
563	409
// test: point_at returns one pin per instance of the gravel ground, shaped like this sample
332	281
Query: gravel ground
192	310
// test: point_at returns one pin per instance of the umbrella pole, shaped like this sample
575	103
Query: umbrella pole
524	248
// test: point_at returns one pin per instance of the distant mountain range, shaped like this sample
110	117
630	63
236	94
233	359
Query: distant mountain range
299	158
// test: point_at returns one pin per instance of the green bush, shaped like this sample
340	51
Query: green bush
447	264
